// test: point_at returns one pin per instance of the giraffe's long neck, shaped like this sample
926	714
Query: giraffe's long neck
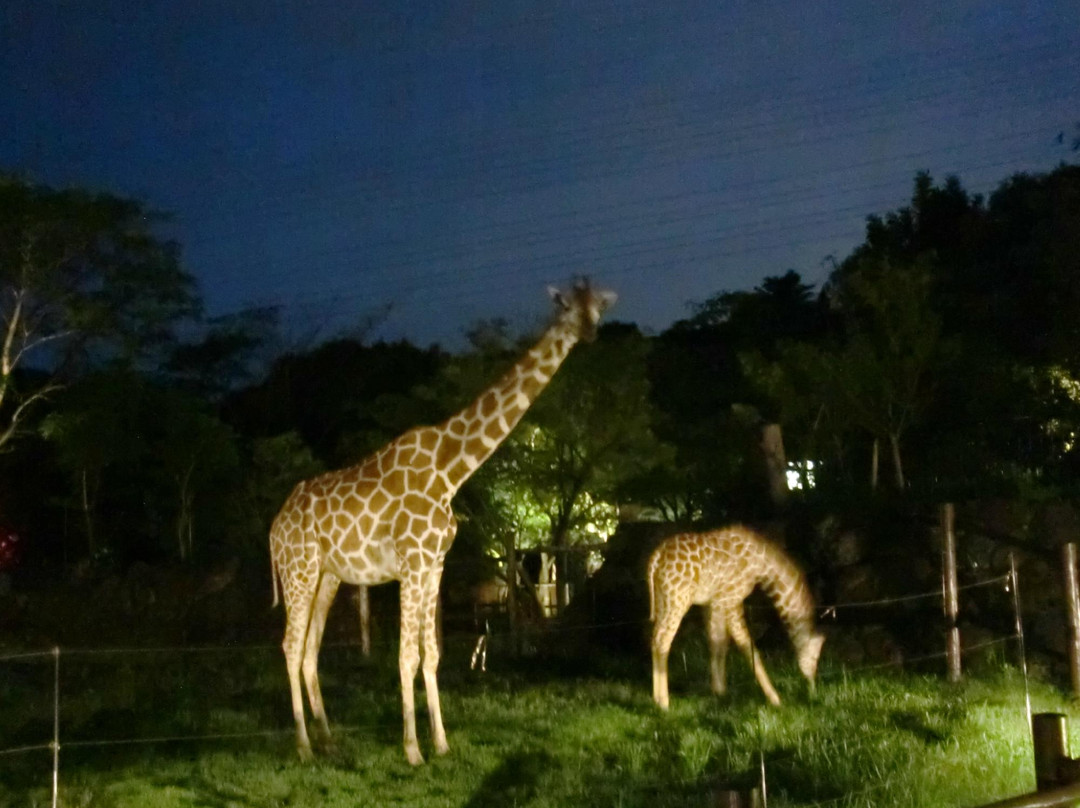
471	436
786	586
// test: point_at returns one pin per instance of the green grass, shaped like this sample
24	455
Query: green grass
532	736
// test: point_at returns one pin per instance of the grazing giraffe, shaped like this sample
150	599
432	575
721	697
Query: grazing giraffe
389	518
720	569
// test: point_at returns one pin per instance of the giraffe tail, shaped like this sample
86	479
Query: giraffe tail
653	561
279	534
274	577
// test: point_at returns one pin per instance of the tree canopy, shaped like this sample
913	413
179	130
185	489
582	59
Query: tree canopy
943	349
83	279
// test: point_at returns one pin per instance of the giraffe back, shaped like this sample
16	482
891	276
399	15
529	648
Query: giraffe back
726	565
355	521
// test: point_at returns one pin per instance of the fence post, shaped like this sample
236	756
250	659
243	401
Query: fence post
511	594
1050	739
56	728
950	590
1072	603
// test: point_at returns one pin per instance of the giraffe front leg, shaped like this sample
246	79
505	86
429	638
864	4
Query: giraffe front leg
431	659
408	662
741	635
718	646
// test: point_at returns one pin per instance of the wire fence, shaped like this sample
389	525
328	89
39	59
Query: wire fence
57	655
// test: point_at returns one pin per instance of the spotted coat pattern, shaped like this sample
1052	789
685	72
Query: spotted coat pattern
719	569
389	518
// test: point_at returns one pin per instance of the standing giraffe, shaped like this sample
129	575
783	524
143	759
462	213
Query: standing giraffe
720	569
389	518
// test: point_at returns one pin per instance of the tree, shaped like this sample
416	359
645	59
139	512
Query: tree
561	472
1005	289
82	277
879	377
95	427
229	353
589	434
142	455
714	407
342	397
197	454
781	309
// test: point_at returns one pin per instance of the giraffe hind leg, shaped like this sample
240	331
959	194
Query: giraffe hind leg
669	614
298	606
328	586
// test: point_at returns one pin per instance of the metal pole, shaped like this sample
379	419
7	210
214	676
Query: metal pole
950	591
761	798
1072	603
56	727
1014	584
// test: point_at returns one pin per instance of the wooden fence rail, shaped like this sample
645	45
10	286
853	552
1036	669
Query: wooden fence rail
1065	795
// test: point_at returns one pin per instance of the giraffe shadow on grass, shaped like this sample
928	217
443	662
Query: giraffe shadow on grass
517	781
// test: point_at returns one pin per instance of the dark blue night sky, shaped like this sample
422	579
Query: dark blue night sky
338	158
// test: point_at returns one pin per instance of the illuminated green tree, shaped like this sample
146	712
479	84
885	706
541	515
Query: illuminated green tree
589	435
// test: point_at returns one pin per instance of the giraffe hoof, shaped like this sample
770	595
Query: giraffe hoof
305	753
442	749
414	757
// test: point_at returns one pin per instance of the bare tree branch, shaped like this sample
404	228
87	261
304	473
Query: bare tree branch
10	430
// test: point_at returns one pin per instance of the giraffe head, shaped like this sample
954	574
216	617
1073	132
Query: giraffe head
580	309
809	652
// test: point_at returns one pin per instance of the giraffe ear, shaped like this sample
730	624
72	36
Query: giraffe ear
607	299
558	297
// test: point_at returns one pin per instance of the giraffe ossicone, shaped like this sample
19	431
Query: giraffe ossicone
719	569
389	518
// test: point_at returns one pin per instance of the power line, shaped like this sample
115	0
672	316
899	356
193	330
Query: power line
896	79
488	227
565	237
688	131
728	188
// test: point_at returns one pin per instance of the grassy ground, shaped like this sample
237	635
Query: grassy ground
533	736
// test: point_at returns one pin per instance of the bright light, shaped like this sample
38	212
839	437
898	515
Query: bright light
798	473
